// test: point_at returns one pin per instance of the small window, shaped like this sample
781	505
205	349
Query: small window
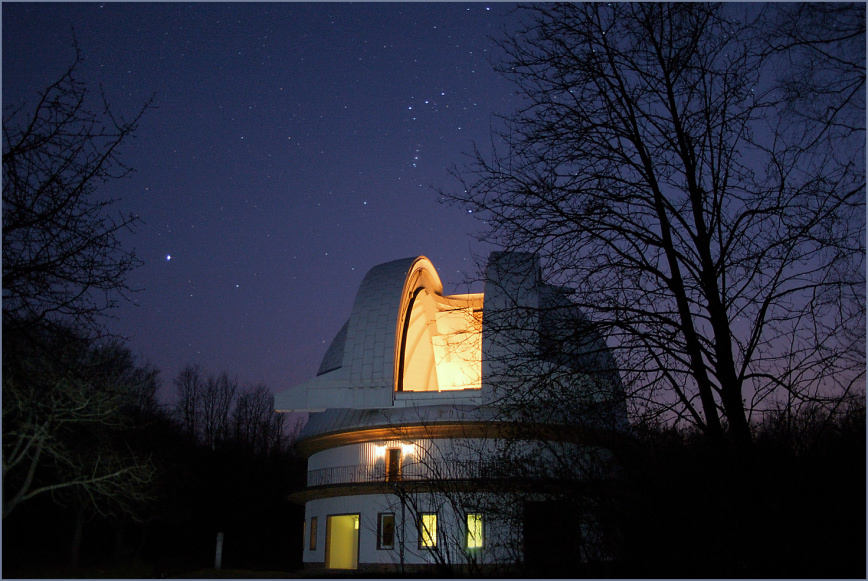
427	530
386	530
312	544
474	530
393	465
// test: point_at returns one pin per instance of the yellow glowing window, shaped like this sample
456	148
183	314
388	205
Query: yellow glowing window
474	530
427	530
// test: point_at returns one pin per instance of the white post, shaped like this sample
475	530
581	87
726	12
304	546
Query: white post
218	556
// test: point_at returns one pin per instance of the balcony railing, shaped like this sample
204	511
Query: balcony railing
356	474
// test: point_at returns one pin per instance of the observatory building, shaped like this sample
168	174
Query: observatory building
422	407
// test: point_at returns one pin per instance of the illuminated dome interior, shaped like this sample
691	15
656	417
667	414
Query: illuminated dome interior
441	346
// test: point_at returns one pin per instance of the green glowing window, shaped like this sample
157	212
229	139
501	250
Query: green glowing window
427	530
474	530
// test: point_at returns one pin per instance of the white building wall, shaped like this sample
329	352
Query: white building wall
439	459
451	530
421	459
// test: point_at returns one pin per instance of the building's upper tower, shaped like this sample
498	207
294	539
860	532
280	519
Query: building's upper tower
408	344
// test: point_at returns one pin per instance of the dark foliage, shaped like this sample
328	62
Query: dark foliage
166	524
200	492
232	491
68	426
793	511
97	478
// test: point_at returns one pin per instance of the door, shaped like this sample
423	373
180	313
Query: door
342	541
552	538
393	465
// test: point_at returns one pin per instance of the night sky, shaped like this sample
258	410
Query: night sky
292	148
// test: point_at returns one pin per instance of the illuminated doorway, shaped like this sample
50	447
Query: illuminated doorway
342	542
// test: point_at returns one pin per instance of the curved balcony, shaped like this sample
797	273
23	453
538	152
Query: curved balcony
412	471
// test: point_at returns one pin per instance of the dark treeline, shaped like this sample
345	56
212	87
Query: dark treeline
678	509
216	458
124	485
795	509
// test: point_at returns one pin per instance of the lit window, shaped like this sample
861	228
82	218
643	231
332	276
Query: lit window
386	531
312	533
474	530
427	530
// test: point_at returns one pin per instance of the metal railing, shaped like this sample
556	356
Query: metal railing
360	473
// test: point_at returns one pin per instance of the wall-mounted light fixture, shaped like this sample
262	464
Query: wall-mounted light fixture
406	449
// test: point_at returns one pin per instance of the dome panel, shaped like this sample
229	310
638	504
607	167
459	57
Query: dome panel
334	357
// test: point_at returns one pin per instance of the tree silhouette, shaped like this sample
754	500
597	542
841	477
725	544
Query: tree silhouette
214	410
707	221
67	426
65	398
62	258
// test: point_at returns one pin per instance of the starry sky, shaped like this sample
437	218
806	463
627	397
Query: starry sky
291	148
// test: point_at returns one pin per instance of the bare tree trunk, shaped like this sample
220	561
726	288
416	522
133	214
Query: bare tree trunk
77	532
119	542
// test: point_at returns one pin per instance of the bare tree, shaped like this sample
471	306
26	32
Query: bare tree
499	480
255	422
65	425
120	367
250	416
62	256
822	49
712	235
217	397
449	478
188	386
213	408
65	399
